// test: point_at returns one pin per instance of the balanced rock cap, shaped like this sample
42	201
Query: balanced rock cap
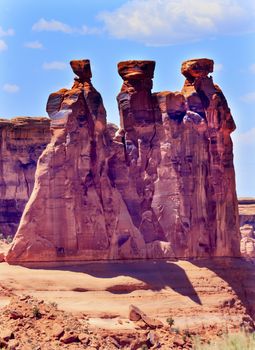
198	67
81	68
136	69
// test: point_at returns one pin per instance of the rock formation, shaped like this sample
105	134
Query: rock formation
247	245
162	186
74	213
22	141
180	181
247	226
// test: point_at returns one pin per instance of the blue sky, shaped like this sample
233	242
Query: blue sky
39	38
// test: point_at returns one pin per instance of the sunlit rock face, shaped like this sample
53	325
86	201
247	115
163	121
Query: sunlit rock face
247	226
160	186
247	245
22	141
74	212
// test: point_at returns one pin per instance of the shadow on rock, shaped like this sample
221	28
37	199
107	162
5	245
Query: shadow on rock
155	275
240	276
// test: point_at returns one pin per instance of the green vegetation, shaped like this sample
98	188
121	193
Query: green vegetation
234	341
36	312
144	347
170	321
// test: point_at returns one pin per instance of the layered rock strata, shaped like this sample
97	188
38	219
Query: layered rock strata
74	212
180	183
163	186
22	141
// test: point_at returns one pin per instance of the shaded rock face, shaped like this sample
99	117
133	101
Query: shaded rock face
179	185
22	141
163	185
247	211
74	212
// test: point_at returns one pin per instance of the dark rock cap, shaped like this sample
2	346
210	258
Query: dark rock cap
197	67
136	69
82	69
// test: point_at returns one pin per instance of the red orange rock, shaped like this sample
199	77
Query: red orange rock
162	187
74	212
22	141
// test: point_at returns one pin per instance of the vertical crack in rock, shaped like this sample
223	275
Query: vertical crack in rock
160	186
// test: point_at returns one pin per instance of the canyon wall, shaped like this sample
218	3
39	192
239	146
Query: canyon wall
161	186
22	140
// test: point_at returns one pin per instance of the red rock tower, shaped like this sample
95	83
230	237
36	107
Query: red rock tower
162	187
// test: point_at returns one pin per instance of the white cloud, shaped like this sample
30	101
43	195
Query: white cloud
11	88
8	32
57	26
249	98
3	45
218	67
167	22
55	65
34	45
51	26
89	30
252	68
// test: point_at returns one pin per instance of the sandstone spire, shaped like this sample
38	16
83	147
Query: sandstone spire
162	187
74	213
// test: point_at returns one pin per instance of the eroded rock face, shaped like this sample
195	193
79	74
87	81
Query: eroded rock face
247	226
161	186
75	213
22	141
247	245
179	186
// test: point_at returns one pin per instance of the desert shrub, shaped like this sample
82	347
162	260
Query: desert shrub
230	341
144	347
170	321
36	312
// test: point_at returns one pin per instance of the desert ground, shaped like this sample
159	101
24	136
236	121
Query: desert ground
205	298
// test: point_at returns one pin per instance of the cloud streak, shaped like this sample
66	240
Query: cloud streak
11	88
55	65
57	26
33	45
252	68
249	98
8	32
167	22
51	26
3	45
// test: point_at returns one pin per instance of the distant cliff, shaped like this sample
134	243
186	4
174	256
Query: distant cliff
22	140
247	223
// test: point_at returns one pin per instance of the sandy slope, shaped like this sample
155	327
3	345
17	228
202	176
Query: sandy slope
192	293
